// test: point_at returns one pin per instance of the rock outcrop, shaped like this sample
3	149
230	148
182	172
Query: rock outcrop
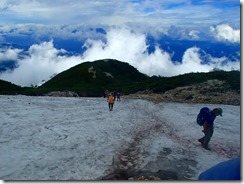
62	94
212	91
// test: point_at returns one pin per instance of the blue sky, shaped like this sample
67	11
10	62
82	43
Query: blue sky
112	12
190	36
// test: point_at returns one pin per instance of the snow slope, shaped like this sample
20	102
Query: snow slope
57	138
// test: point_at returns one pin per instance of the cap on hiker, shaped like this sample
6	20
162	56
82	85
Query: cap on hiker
218	111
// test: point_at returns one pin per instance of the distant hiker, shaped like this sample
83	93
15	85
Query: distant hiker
115	94
110	101
106	93
118	96
206	119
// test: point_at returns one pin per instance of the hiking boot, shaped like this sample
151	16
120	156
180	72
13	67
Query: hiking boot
206	147
200	140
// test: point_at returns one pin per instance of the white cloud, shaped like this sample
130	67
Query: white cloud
125	45
9	54
122	44
194	34
224	32
38	32
42	62
191	62
146	12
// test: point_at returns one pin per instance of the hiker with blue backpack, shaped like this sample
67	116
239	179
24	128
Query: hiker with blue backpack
206	119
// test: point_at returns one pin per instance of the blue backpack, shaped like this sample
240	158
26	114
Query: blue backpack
202	115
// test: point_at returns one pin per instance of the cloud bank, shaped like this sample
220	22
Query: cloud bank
9	54
146	12
44	60
224	32
36	33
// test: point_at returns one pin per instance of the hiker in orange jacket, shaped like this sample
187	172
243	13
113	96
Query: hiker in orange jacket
110	101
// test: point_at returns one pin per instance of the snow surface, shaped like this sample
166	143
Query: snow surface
57	138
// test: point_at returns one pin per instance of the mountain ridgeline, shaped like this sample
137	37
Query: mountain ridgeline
7	88
91	79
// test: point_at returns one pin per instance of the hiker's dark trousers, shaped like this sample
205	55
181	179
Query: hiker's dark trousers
110	106
208	135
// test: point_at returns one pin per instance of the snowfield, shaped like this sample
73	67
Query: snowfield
57	138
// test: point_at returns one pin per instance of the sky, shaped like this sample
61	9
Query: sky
58	138
125	25
148	12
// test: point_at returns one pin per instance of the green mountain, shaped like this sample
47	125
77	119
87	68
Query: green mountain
93	78
7	88
161	84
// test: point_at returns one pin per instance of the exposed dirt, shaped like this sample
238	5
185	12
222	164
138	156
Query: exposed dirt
125	163
128	163
212	91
